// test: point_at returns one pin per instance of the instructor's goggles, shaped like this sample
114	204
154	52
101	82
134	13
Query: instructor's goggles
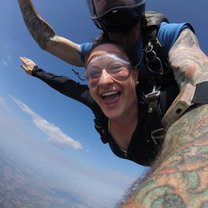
116	67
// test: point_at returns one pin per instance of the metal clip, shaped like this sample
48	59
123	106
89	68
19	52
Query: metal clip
152	95
152	99
153	60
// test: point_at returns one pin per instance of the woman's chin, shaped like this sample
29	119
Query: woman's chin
112	114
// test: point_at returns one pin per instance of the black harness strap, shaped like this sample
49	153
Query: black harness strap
154	112
201	93
155	56
190	97
99	126
157	64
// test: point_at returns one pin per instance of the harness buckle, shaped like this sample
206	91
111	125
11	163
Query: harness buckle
157	130
152	99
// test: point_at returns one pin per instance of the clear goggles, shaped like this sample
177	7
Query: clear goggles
116	67
119	16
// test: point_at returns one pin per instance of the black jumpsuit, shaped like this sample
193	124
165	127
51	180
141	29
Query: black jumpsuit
142	148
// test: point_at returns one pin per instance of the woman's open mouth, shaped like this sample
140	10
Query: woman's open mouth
111	98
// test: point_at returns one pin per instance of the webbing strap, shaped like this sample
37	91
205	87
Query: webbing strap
201	93
156	127
190	96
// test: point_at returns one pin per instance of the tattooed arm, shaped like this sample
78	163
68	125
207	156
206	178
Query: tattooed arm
179	177
45	36
189	63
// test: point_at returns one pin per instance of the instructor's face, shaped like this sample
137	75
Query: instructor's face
127	40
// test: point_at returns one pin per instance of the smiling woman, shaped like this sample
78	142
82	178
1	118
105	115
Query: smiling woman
114	96
114	90
112	82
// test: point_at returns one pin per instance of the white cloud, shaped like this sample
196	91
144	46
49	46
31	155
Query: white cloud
4	63
55	135
6	50
4	104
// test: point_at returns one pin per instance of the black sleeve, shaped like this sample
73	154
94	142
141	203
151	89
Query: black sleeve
65	86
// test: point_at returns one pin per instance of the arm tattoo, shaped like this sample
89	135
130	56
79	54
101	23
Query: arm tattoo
189	63
178	178
38	27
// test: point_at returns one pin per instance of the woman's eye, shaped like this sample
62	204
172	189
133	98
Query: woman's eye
115	67
93	73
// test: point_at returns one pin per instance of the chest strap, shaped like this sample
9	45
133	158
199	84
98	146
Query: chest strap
189	96
155	115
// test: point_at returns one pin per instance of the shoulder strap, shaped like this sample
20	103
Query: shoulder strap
100	123
150	24
157	64
155	55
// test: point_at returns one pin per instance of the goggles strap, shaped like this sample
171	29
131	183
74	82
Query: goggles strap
108	55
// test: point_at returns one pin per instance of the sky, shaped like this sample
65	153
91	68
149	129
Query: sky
39	126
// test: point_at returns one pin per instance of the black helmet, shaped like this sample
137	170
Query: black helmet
116	15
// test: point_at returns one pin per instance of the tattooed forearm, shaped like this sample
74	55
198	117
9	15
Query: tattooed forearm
179	177
189	63
37	26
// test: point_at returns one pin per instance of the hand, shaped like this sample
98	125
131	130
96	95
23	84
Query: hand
27	65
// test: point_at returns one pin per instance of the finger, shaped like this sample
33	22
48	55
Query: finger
23	67
26	59
23	63
22	59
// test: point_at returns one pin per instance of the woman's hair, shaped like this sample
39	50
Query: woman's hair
100	41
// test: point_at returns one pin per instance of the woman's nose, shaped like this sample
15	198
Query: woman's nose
105	78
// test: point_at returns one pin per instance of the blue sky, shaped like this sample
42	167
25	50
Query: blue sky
40	126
